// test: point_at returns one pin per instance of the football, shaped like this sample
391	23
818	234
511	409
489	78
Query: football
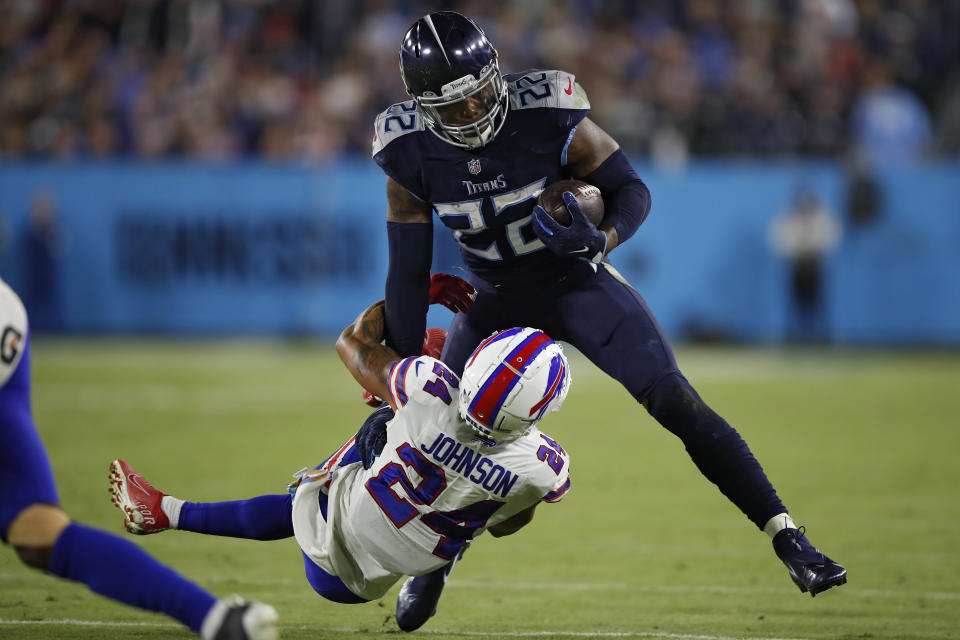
591	202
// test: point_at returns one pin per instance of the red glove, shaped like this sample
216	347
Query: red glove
433	341
370	399
452	292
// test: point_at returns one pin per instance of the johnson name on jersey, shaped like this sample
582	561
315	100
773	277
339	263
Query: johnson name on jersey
13	331
486	195
433	488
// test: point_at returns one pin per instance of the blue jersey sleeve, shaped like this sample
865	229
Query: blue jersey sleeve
26	477
560	101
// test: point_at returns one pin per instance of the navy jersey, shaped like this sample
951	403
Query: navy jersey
486	196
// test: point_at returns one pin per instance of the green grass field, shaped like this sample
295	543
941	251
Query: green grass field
861	446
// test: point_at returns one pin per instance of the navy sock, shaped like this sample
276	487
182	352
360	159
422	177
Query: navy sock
118	569
715	447
261	518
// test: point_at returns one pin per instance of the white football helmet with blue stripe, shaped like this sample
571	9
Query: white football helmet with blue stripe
513	379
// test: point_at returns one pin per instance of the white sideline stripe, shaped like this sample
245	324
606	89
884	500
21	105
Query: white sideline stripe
614	586
621	586
88	623
538	634
435	632
583	586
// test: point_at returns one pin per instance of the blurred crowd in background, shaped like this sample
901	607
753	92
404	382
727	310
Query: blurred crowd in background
303	80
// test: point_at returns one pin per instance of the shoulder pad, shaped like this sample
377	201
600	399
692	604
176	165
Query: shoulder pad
400	119
546	88
422	379
13	331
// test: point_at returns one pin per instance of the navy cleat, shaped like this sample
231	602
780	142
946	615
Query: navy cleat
810	569
418	597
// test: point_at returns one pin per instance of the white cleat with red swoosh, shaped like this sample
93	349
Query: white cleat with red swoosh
138	500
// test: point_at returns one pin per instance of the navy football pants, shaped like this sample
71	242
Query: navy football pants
600	314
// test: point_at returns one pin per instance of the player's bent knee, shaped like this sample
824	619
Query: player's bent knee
677	406
36	557
672	394
37	527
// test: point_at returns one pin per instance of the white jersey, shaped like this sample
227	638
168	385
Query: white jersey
13	331
433	487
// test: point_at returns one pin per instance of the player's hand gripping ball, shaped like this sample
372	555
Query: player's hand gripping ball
579	237
588	198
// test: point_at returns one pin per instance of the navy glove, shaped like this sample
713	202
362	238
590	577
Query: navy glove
580	240
372	436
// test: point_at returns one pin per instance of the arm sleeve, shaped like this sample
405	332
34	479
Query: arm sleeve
408	285
626	198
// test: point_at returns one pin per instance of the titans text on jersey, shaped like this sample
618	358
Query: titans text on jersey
486	196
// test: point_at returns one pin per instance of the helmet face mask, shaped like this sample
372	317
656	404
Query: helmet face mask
470	114
512	380
451	70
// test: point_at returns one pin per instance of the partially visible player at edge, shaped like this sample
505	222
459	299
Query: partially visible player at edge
477	148
44	537
446	474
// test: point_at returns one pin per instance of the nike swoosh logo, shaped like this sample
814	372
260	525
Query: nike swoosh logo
583	250
569	89
133	479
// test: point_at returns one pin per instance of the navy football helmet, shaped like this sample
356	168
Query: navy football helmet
451	70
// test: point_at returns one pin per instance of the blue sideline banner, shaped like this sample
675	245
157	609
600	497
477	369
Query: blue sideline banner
256	248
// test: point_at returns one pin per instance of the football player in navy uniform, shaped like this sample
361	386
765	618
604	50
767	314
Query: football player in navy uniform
477	147
32	522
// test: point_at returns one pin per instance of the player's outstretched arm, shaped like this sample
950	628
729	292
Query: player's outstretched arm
359	344
359	347
513	524
410	243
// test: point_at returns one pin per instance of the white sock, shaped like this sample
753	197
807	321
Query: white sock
214	618
774	525
171	508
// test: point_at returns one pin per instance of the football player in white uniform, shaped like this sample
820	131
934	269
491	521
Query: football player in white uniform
459	458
